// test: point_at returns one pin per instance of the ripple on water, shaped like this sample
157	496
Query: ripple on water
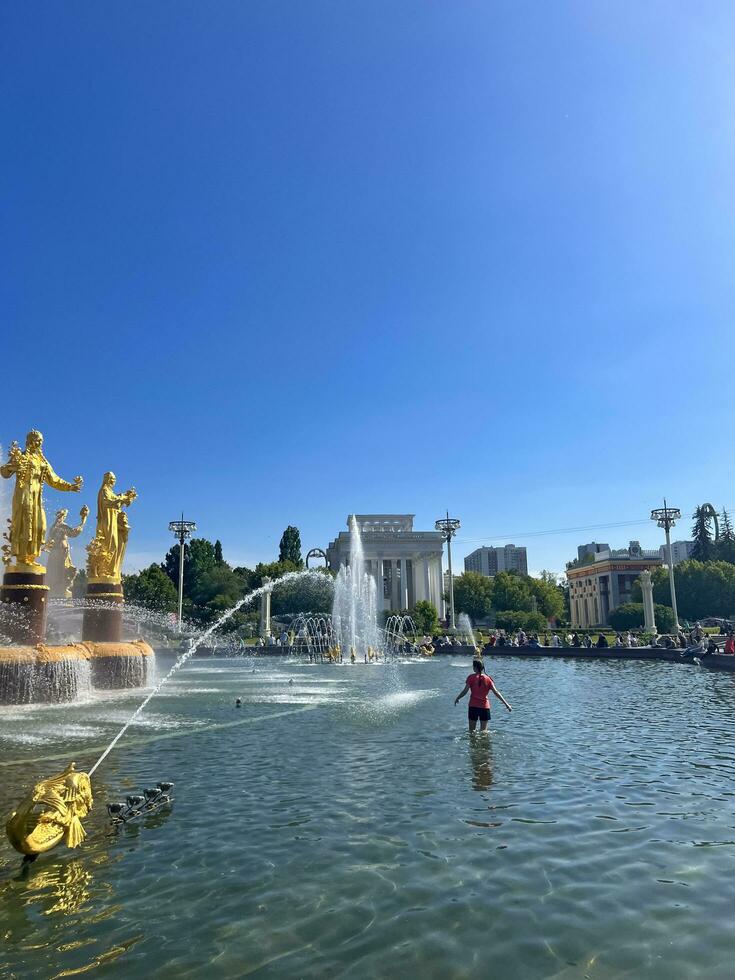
587	835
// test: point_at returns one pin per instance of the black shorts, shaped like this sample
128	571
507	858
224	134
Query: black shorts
478	714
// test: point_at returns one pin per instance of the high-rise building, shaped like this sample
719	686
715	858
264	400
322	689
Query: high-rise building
680	551
490	561
592	548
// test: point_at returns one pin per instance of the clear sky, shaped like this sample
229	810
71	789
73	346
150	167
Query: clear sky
273	262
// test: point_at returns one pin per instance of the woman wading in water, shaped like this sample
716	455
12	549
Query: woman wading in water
479	685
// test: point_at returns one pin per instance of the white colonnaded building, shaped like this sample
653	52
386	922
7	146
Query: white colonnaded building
406	564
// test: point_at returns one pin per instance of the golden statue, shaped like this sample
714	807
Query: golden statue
52	812
107	550
27	526
60	570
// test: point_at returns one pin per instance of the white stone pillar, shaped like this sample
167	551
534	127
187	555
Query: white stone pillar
403	584
426	574
436	585
419	578
649	616
265	610
378	573
395	597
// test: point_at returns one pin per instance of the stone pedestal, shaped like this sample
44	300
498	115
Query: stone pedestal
103	613
24	595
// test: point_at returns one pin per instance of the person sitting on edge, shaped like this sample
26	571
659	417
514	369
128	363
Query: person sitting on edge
587	641
730	644
534	642
602	642
576	642
522	638
479	684
556	640
654	641
669	642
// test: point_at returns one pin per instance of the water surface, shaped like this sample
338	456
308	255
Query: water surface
345	824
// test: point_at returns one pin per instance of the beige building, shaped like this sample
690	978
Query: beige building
601	581
406	564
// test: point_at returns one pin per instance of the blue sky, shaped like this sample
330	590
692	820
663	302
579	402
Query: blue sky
273	262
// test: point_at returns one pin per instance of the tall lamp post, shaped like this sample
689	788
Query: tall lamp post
182	530
449	527
666	517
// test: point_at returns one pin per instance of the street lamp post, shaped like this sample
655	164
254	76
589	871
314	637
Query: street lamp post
449	527
666	517
182	530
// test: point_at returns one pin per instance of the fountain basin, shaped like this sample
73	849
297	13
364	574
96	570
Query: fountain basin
119	665
45	673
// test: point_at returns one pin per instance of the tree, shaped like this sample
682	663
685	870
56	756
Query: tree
627	616
630	615
425	616
704	549
549	597
725	544
473	594
199	557
151	588
290	547
307	594
515	619
511	592
218	556
702	588
79	588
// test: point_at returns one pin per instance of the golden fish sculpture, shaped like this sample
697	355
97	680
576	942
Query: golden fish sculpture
52	812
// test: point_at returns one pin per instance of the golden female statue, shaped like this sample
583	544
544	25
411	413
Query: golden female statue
27	532
60	570
107	550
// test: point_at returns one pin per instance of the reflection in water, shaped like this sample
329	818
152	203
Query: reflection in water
61	888
481	760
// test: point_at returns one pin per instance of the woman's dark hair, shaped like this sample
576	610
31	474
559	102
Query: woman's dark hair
478	666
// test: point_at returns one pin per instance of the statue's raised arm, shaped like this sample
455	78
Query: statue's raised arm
26	534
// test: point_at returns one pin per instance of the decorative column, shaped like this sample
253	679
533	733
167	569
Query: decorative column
265	608
403	583
378	572
649	616
418	578
395	596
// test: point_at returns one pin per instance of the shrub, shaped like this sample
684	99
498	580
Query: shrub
425	616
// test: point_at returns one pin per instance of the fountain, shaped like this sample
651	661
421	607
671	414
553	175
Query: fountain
354	612
32	670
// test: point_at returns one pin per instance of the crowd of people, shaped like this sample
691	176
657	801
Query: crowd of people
694	641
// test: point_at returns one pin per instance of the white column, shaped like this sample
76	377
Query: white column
378	573
403	586
418	578
426	572
265	611
436	584
395	597
649	616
